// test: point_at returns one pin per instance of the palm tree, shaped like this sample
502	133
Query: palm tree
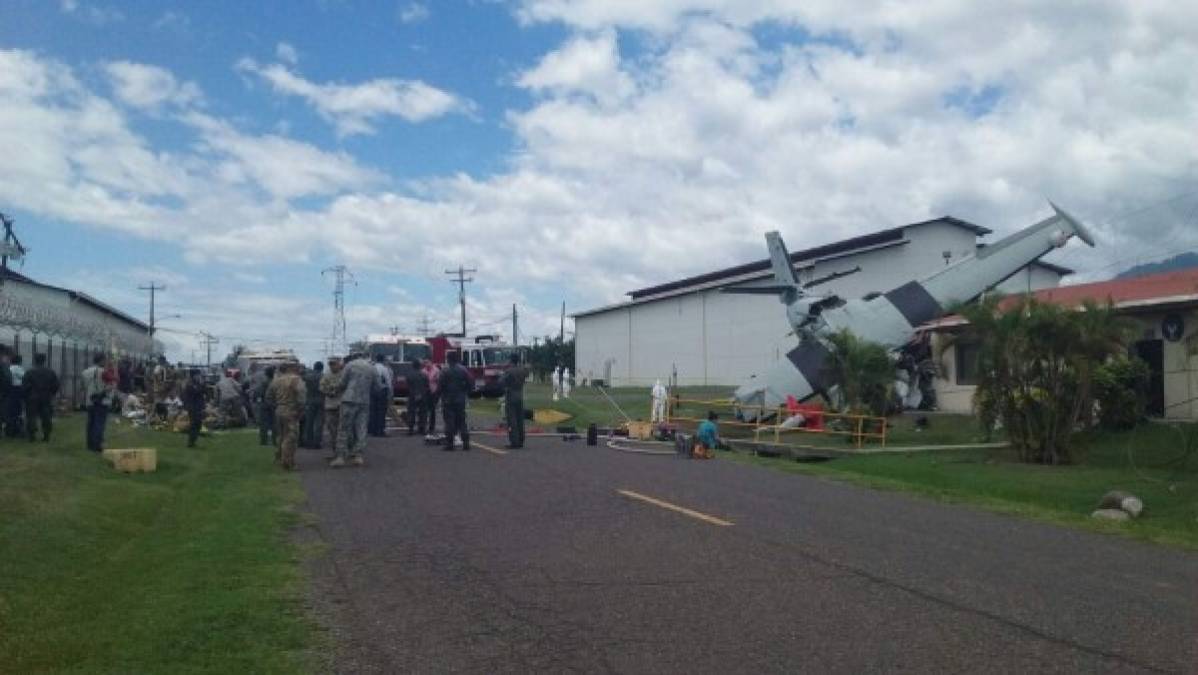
1036	368
864	370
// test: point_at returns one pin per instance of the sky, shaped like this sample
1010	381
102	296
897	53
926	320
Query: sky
568	150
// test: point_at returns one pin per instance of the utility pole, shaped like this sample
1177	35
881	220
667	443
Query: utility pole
461	281
561	336
10	247
208	341
153	288
515	327
423	331
341	274
394	330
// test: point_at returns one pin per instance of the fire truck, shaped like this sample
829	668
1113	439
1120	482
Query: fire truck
484	356
398	352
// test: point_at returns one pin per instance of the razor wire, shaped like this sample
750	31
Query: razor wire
27	316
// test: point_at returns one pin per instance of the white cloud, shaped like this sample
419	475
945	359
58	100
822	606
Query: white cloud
95	14
286	53
172	20
356	108
413	12
585	65
144	86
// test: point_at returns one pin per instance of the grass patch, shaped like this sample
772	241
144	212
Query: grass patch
1062	494
588	405
188	569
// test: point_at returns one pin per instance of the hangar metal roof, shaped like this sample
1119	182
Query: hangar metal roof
850	245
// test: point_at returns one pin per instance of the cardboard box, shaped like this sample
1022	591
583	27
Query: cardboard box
133	460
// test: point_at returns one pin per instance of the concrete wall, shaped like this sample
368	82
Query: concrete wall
714	338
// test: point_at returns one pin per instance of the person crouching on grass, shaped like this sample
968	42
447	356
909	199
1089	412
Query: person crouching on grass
707	437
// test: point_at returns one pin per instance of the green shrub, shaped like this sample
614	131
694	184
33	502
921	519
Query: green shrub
1121	391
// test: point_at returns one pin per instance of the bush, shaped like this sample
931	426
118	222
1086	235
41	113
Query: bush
1121	392
1036	369
864	371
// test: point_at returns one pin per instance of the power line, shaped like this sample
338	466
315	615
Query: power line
209	341
461	281
153	288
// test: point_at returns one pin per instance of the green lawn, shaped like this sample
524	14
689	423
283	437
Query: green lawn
185	570
588	404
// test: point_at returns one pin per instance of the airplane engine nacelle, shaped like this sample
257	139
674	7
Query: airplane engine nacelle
1059	238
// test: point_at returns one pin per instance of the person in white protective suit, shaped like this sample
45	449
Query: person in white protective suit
566	383
659	402
557	382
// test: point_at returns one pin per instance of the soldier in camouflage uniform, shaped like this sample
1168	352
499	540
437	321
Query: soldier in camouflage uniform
287	393
330	384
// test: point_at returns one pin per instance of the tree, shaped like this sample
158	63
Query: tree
549	354
864	370
231	359
1036	369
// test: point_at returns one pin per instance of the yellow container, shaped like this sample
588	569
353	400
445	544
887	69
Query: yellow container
133	460
641	431
547	416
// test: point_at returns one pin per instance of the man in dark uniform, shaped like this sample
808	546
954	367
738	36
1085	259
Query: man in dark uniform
5	377
455	385
513	401
417	392
313	427
41	386
193	403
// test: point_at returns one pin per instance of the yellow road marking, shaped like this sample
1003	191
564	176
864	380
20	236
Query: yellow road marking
488	448
677	509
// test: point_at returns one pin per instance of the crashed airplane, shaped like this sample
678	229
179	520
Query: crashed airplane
890	318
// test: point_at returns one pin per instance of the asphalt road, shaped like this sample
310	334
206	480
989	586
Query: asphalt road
535	560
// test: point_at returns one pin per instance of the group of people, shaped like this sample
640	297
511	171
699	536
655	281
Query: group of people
338	408
26	396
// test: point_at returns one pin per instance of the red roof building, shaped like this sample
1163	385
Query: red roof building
1166	306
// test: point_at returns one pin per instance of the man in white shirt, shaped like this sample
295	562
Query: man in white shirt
380	396
98	395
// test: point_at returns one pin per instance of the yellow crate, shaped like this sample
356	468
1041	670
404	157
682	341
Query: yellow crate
133	460
641	431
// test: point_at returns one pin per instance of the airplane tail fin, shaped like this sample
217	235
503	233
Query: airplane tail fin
786	282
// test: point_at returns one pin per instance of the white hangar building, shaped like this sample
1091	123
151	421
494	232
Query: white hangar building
712	338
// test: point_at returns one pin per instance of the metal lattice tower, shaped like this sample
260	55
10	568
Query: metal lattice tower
341	274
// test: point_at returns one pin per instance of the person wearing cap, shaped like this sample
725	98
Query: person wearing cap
314	408
288	393
331	398
417	391
358	380
41	386
513	401
456	385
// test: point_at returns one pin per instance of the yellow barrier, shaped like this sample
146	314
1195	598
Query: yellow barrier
860	427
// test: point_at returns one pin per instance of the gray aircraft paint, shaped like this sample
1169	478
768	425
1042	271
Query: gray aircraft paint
891	319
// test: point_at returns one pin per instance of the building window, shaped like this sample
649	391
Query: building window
967	362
